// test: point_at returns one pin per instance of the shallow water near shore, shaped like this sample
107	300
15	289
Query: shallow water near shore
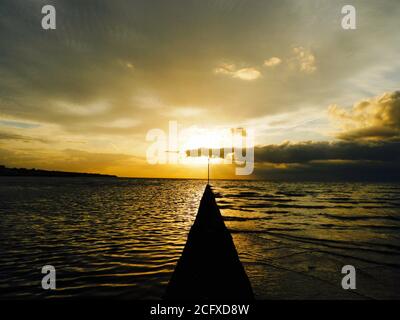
121	238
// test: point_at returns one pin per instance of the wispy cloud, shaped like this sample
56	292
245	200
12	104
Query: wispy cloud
185	112
22	138
18	124
248	74
304	60
272	62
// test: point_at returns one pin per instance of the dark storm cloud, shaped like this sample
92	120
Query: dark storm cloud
291	153
314	151
342	160
324	161
369	148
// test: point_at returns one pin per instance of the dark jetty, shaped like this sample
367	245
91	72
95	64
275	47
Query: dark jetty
209	267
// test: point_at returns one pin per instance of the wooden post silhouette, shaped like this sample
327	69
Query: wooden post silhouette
208	171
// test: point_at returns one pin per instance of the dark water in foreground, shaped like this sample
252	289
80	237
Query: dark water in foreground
122	237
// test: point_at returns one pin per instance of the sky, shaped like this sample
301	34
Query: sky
323	102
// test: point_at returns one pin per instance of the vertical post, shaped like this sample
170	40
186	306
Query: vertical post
208	171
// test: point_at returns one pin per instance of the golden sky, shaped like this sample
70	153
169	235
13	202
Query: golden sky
83	97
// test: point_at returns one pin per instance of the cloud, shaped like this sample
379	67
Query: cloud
272	62
18	124
306	152
172	49
377	118
124	64
247	74
139	60
82	110
23	138
340	160
184	112
304	60
225	68
123	123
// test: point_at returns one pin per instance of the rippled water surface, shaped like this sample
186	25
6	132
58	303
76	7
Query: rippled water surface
122	237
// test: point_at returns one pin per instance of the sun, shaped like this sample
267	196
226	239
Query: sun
214	138
196	138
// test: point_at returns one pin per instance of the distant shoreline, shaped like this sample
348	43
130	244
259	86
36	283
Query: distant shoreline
23	172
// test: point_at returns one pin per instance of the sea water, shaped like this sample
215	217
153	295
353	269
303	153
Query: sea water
121	238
